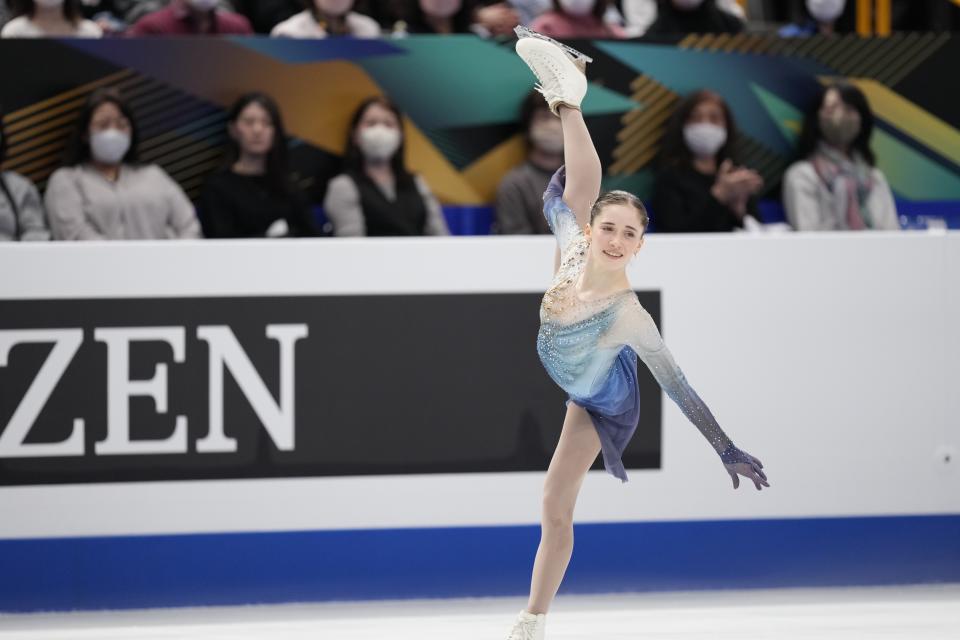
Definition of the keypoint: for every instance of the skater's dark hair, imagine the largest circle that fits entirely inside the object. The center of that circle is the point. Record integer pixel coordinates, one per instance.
(673, 149)
(811, 134)
(624, 198)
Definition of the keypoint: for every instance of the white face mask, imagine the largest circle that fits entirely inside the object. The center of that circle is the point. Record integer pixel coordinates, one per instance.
(687, 5)
(704, 139)
(547, 138)
(825, 10)
(577, 7)
(379, 142)
(203, 5)
(334, 7)
(109, 146)
(440, 8)
(49, 4)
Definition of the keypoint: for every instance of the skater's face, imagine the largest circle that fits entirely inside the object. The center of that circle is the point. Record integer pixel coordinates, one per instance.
(616, 235)
(253, 130)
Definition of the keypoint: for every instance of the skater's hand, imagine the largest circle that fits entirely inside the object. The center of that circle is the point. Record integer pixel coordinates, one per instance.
(740, 463)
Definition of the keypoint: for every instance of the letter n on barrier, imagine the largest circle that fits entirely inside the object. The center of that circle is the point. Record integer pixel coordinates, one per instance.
(226, 353)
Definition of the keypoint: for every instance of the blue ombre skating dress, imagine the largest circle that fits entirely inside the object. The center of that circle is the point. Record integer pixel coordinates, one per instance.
(590, 348)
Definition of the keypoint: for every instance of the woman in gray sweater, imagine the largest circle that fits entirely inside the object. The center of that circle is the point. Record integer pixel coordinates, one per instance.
(105, 193)
(21, 211)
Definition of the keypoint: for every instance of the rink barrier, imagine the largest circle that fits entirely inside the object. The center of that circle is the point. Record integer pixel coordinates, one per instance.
(252, 568)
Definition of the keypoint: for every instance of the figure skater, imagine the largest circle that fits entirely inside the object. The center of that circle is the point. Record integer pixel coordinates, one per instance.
(592, 329)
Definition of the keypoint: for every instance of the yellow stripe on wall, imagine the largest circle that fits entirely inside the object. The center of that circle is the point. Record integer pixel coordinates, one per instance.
(884, 18)
(865, 17)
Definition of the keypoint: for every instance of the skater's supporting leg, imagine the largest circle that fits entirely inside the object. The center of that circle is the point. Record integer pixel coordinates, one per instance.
(576, 451)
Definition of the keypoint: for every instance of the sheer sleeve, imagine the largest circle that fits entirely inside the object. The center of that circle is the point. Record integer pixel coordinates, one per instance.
(562, 220)
(636, 329)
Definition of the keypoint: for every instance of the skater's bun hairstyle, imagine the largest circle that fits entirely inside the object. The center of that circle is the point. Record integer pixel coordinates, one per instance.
(624, 198)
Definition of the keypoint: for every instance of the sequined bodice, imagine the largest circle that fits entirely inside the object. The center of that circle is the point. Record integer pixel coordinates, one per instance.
(574, 341)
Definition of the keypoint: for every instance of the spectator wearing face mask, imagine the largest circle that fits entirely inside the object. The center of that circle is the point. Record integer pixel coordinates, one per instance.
(21, 211)
(254, 195)
(191, 17)
(104, 193)
(322, 18)
(822, 18)
(835, 185)
(699, 188)
(49, 18)
(439, 17)
(520, 194)
(693, 16)
(639, 15)
(577, 19)
(376, 195)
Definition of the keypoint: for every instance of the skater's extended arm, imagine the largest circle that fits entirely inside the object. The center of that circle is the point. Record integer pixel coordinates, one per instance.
(641, 334)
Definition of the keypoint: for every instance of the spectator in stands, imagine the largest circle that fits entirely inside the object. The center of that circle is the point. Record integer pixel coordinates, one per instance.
(433, 16)
(699, 187)
(104, 193)
(639, 15)
(322, 18)
(577, 19)
(254, 195)
(49, 18)
(21, 211)
(191, 17)
(500, 18)
(693, 16)
(264, 15)
(821, 17)
(520, 194)
(376, 195)
(835, 185)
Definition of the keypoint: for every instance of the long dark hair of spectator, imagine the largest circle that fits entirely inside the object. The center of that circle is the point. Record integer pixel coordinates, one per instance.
(353, 157)
(528, 108)
(78, 149)
(3, 140)
(277, 165)
(71, 9)
(673, 148)
(599, 8)
(811, 135)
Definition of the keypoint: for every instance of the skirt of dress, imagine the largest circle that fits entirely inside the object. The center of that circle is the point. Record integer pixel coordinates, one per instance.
(615, 411)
